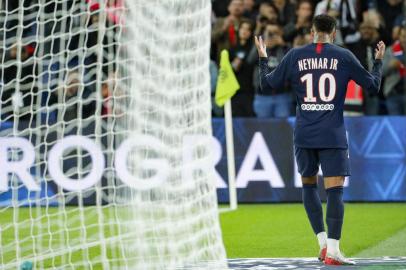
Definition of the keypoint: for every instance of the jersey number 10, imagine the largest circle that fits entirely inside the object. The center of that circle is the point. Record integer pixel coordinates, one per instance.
(308, 78)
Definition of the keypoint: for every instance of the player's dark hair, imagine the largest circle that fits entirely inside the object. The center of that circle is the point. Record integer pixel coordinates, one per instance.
(324, 23)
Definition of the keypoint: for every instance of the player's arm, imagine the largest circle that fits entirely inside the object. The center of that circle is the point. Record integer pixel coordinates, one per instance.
(274, 79)
(370, 81)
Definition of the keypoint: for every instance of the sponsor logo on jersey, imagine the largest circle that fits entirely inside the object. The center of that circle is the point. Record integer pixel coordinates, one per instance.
(317, 107)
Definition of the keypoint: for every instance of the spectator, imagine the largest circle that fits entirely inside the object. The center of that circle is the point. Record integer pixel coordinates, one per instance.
(273, 102)
(112, 96)
(399, 22)
(220, 7)
(372, 14)
(19, 89)
(302, 23)
(364, 50)
(249, 9)
(344, 12)
(268, 13)
(242, 101)
(107, 89)
(71, 93)
(394, 70)
(224, 33)
(114, 18)
(329, 7)
(10, 22)
(286, 11)
(213, 69)
(114, 9)
(390, 10)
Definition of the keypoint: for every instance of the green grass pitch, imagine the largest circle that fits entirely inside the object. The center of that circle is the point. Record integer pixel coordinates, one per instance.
(271, 231)
(282, 230)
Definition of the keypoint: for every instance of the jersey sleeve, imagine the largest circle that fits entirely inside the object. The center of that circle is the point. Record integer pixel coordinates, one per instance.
(275, 79)
(370, 81)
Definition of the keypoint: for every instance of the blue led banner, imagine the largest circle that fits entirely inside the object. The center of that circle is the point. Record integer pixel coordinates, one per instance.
(265, 164)
(266, 169)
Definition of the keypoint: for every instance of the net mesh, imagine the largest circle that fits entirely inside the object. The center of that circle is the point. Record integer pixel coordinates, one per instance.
(105, 113)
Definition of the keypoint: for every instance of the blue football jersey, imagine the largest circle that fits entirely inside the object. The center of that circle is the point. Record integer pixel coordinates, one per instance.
(318, 74)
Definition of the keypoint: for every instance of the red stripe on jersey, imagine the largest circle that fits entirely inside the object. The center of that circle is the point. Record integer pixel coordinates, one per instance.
(319, 47)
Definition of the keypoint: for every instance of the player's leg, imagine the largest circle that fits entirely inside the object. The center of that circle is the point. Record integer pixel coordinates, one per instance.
(335, 166)
(314, 211)
(308, 165)
(335, 211)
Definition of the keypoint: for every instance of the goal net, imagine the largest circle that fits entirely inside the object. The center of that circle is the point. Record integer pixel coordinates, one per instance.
(105, 136)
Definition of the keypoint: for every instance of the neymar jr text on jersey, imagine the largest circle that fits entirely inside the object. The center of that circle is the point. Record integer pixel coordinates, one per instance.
(317, 63)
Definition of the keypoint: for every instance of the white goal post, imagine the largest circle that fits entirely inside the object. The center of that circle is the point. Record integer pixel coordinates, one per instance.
(105, 136)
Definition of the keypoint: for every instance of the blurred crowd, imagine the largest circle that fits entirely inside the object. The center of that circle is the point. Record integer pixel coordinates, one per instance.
(52, 59)
(285, 24)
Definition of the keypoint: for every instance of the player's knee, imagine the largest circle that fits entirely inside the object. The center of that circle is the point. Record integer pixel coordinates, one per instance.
(334, 181)
(309, 180)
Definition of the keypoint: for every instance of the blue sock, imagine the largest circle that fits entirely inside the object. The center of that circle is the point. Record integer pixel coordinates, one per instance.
(312, 204)
(335, 212)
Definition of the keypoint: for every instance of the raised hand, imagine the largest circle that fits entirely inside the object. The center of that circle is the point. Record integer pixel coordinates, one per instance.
(261, 47)
(380, 50)
(229, 20)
